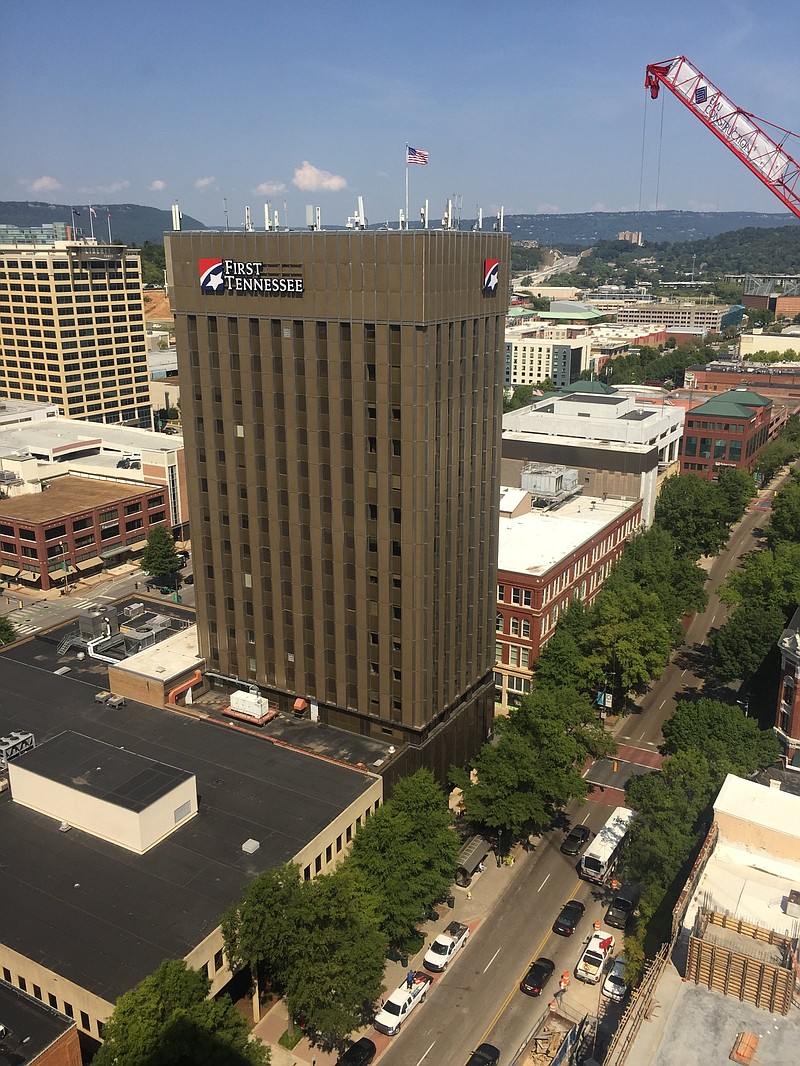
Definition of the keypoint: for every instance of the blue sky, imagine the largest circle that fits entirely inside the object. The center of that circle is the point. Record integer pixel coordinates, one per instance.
(535, 106)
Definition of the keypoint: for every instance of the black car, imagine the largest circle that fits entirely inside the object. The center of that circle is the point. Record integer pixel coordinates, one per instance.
(537, 977)
(484, 1055)
(578, 836)
(359, 1054)
(571, 914)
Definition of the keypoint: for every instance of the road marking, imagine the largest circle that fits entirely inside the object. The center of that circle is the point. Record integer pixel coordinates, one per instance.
(642, 736)
(541, 886)
(488, 964)
(426, 1053)
(662, 703)
(682, 672)
(584, 819)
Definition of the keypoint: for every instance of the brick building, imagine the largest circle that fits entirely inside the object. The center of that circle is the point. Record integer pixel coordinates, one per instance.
(546, 560)
(32, 1031)
(75, 525)
(787, 715)
(728, 431)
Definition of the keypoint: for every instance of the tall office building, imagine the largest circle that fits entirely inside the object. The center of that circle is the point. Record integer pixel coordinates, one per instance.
(341, 404)
(72, 328)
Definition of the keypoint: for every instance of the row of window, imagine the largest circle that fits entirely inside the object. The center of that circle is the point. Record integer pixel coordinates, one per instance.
(517, 627)
(521, 597)
(63, 1006)
(518, 655)
(341, 840)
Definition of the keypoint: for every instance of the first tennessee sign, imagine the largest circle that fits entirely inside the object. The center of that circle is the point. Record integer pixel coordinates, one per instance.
(222, 276)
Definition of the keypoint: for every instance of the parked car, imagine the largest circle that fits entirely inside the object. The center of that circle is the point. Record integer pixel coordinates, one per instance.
(623, 906)
(615, 987)
(576, 840)
(401, 1002)
(537, 977)
(361, 1053)
(484, 1055)
(571, 914)
(445, 946)
(596, 958)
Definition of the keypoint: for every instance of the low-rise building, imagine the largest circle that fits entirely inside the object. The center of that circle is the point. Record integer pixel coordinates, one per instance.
(547, 558)
(537, 351)
(32, 1032)
(707, 317)
(75, 525)
(759, 341)
(620, 444)
(728, 431)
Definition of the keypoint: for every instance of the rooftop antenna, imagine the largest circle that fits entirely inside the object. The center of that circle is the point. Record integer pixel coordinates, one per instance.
(267, 216)
(358, 220)
(402, 220)
(447, 221)
(479, 218)
(225, 209)
(176, 216)
(285, 216)
(313, 219)
(248, 224)
(423, 214)
(498, 225)
(459, 204)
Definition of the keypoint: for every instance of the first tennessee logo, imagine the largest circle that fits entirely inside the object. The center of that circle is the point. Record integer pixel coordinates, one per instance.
(211, 280)
(491, 276)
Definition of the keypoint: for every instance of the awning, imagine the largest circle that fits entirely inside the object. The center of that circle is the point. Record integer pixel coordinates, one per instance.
(137, 545)
(29, 575)
(9, 571)
(118, 549)
(300, 704)
(88, 564)
(58, 572)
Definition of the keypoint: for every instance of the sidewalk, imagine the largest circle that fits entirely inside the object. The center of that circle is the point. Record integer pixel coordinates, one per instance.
(471, 907)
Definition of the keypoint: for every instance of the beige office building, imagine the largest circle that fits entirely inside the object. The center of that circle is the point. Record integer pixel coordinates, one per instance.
(72, 328)
(341, 403)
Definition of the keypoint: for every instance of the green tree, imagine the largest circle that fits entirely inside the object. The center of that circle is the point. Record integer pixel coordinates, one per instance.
(561, 660)
(8, 633)
(337, 955)
(692, 510)
(651, 561)
(731, 742)
(738, 489)
(159, 559)
(772, 457)
(740, 645)
(784, 524)
(406, 853)
(259, 928)
(766, 579)
(167, 1020)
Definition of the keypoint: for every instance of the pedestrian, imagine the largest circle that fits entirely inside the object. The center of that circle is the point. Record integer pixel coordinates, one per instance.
(410, 980)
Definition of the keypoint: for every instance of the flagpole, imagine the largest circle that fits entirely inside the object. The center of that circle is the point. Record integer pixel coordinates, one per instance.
(406, 184)
(108, 216)
(91, 221)
(74, 231)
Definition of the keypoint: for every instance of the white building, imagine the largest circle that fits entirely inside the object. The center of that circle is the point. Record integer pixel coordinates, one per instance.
(542, 350)
(620, 444)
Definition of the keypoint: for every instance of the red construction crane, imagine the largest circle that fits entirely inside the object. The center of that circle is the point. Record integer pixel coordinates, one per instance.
(739, 130)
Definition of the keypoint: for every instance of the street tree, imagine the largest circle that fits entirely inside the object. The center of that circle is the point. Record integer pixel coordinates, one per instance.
(651, 561)
(784, 523)
(8, 633)
(159, 558)
(407, 853)
(732, 742)
(337, 955)
(693, 511)
(740, 645)
(560, 661)
(168, 1020)
(766, 579)
(738, 489)
(772, 457)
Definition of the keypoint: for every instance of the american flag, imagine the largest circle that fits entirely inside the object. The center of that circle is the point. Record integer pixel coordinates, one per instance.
(701, 94)
(416, 155)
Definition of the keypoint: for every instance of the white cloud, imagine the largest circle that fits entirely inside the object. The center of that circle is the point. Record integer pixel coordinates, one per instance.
(44, 184)
(311, 178)
(269, 188)
(205, 183)
(158, 185)
(548, 209)
(115, 186)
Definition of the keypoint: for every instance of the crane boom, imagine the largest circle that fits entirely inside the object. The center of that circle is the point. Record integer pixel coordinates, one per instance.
(737, 129)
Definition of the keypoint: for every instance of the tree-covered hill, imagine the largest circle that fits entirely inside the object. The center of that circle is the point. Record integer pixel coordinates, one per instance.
(130, 223)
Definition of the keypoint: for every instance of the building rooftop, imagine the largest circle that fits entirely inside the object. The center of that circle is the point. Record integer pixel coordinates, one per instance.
(167, 659)
(103, 917)
(534, 543)
(27, 1019)
(736, 403)
(13, 411)
(55, 438)
(65, 495)
(768, 807)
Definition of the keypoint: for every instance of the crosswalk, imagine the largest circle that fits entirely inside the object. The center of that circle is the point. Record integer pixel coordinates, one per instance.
(85, 604)
(24, 629)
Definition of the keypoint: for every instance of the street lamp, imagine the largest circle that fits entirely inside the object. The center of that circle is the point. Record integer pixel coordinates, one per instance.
(745, 705)
(62, 545)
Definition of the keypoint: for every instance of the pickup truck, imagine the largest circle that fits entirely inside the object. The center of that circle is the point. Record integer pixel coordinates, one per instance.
(596, 958)
(401, 1002)
(624, 904)
(445, 946)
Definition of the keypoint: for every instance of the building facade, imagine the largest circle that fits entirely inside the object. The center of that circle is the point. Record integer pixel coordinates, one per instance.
(547, 559)
(533, 353)
(728, 432)
(708, 317)
(49, 538)
(787, 716)
(72, 329)
(341, 399)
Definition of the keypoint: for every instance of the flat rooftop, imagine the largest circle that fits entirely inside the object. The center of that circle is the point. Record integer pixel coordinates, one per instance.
(67, 495)
(102, 770)
(53, 436)
(103, 917)
(25, 1017)
(534, 543)
(166, 659)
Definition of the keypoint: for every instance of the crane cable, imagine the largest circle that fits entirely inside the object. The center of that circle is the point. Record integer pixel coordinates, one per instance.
(660, 142)
(641, 163)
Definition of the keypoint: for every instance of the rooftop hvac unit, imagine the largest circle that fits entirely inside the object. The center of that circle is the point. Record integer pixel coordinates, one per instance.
(133, 610)
(14, 745)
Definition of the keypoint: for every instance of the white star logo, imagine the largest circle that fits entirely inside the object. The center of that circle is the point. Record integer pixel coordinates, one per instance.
(214, 281)
(492, 283)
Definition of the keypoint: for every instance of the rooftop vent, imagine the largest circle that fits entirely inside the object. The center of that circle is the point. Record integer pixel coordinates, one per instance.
(251, 846)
